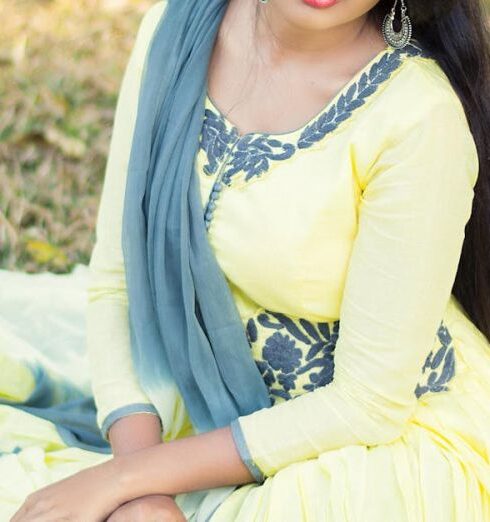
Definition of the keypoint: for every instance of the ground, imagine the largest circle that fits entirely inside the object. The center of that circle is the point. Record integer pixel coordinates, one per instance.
(61, 64)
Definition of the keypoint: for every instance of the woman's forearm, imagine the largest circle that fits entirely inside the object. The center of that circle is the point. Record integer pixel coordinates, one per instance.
(192, 463)
(134, 432)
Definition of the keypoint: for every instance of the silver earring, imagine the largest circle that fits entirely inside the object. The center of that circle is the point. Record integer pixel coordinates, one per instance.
(263, 1)
(394, 38)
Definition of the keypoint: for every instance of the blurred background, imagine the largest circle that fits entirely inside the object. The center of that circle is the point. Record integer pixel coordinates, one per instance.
(61, 64)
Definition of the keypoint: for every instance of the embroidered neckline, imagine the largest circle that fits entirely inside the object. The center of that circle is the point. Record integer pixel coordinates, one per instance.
(230, 153)
(346, 94)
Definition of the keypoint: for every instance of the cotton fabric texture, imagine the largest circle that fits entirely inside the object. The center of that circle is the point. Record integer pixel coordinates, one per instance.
(340, 242)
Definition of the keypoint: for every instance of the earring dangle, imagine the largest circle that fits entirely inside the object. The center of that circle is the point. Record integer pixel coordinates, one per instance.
(397, 39)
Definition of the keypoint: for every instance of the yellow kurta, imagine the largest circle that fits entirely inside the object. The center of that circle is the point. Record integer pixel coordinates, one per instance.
(340, 241)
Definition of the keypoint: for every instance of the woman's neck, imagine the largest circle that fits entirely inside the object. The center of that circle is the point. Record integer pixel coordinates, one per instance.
(280, 39)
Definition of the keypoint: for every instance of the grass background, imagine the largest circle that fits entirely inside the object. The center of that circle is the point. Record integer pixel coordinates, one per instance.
(61, 64)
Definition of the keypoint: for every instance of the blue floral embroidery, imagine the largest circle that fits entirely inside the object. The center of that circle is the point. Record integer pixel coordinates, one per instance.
(283, 364)
(281, 353)
(299, 355)
(253, 152)
(355, 96)
(216, 140)
(440, 363)
(266, 372)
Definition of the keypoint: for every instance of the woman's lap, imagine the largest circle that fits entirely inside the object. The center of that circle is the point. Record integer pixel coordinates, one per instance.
(409, 480)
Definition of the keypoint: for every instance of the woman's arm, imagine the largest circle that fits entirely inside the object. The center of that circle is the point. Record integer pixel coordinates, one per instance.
(115, 386)
(134, 432)
(185, 464)
(416, 201)
(124, 413)
(197, 462)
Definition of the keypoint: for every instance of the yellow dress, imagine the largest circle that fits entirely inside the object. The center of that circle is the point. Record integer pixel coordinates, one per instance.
(340, 241)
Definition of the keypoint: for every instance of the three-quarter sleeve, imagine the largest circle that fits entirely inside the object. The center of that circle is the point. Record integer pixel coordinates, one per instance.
(416, 199)
(115, 386)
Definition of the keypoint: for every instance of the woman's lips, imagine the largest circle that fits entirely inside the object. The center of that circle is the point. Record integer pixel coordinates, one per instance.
(320, 3)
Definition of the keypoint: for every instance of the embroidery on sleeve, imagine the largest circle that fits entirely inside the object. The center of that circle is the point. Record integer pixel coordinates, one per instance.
(439, 367)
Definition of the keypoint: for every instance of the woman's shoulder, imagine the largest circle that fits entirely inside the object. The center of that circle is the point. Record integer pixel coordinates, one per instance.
(434, 103)
(152, 16)
(155, 11)
(423, 86)
(418, 93)
(419, 108)
(146, 29)
(149, 23)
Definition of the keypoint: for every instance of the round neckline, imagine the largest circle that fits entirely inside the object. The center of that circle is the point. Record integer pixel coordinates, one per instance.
(353, 80)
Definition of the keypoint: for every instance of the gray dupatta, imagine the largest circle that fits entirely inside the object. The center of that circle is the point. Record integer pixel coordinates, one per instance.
(184, 324)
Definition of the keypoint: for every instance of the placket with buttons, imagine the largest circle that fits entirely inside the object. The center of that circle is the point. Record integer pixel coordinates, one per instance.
(218, 185)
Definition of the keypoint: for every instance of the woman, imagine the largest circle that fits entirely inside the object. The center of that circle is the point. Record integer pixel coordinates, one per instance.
(355, 248)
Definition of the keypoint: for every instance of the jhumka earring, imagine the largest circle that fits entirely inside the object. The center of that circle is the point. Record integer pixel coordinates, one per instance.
(394, 38)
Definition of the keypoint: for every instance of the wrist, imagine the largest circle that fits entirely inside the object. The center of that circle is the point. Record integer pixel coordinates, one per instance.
(109, 475)
(121, 478)
(134, 475)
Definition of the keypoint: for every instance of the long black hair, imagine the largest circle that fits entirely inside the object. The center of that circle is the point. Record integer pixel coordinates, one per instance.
(456, 33)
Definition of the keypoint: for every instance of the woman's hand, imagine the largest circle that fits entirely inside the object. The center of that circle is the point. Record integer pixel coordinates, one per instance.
(90, 495)
(161, 508)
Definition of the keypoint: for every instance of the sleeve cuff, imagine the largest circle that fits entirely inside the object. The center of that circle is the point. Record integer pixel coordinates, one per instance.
(241, 444)
(125, 411)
